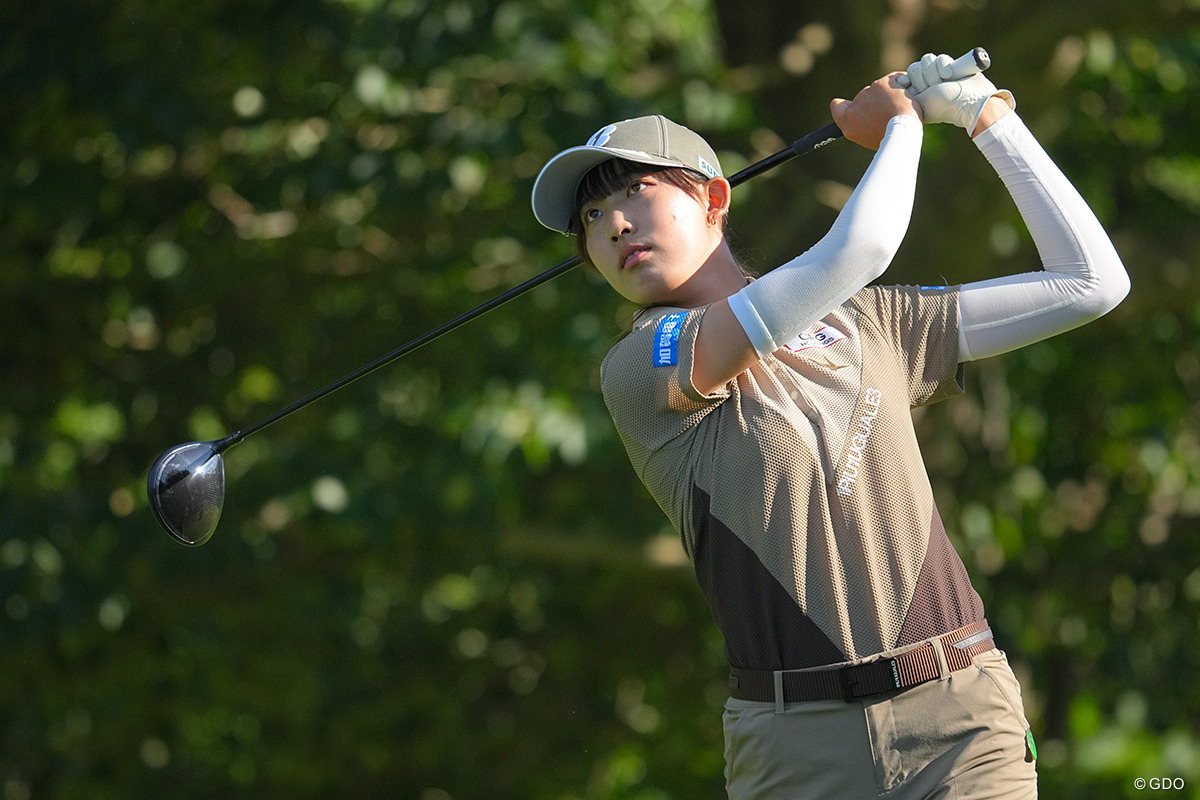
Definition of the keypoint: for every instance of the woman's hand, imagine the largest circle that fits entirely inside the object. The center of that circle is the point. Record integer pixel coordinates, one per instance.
(864, 119)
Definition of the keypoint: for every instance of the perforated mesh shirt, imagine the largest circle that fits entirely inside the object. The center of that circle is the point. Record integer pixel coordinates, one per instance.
(798, 488)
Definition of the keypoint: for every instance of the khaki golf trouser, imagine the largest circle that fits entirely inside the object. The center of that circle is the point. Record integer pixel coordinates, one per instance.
(958, 737)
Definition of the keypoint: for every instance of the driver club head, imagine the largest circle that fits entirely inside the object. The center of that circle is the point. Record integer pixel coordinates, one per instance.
(186, 487)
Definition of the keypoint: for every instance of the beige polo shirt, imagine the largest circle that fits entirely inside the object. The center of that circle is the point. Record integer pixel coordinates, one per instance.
(798, 488)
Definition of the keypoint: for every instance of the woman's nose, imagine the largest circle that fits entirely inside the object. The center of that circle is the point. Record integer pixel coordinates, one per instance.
(621, 225)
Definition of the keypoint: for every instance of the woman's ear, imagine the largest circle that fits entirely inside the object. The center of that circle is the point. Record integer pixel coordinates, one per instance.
(718, 193)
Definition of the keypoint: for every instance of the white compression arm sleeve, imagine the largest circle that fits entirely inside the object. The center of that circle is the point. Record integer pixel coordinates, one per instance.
(856, 251)
(1083, 277)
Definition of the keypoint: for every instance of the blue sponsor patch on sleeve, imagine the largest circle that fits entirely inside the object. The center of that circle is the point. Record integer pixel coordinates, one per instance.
(666, 340)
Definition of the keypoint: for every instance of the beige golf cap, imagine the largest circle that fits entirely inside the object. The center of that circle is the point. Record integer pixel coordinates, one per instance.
(653, 140)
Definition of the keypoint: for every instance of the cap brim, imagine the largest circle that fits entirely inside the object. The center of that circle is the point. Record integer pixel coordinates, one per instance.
(554, 189)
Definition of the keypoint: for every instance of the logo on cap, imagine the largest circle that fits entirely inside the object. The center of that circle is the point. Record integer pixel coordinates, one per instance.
(601, 137)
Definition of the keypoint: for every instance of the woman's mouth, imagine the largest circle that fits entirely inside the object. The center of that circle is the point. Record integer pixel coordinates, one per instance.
(636, 256)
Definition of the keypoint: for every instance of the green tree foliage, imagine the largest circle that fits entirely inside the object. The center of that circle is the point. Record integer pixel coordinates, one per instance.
(445, 581)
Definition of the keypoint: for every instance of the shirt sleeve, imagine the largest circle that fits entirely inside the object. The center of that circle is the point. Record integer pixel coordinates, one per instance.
(921, 325)
(646, 382)
(647, 386)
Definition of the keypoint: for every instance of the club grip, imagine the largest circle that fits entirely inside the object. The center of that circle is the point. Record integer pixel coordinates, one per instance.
(970, 63)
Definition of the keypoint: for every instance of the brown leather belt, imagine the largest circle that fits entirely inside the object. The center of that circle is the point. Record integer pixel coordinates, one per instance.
(857, 681)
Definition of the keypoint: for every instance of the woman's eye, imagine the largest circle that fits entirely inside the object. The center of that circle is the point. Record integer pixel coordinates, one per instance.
(636, 186)
(591, 214)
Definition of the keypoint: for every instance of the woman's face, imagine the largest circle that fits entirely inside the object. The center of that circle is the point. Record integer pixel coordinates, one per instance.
(649, 239)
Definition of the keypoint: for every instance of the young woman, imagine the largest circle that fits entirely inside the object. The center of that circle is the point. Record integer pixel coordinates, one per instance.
(771, 421)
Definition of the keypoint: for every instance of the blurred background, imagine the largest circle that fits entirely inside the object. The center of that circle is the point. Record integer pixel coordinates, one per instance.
(445, 582)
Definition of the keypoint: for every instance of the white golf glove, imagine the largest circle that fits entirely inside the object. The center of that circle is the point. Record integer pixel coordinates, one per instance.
(944, 99)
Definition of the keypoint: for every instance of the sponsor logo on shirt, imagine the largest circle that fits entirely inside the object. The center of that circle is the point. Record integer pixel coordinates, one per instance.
(822, 336)
(858, 441)
(666, 340)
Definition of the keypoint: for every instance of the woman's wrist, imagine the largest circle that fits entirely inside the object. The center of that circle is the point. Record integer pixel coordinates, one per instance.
(993, 110)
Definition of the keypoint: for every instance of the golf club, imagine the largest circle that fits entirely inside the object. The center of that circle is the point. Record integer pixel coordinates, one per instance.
(186, 484)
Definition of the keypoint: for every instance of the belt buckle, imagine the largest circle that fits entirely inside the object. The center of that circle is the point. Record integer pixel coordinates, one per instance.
(850, 681)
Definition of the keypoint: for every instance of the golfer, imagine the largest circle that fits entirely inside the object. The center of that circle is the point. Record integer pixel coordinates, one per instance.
(771, 420)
